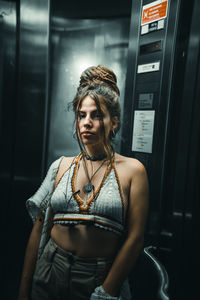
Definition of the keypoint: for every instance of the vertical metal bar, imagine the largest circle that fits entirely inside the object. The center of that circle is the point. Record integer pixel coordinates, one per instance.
(33, 86)
(46, 111)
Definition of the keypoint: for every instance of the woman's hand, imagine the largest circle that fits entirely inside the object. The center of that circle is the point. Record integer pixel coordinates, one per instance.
(100, 294)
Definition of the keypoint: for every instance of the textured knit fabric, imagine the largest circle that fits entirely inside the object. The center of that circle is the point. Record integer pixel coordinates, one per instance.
(105, 208)
(41, 200)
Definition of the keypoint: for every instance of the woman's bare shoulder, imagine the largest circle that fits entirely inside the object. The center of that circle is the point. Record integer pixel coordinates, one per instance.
(66, 162)
(132, 165)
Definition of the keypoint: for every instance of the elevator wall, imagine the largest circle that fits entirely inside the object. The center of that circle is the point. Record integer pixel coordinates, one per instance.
(24, 56)
(168, 89)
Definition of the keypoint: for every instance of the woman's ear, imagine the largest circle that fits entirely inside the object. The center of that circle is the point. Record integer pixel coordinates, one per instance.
(114, 121)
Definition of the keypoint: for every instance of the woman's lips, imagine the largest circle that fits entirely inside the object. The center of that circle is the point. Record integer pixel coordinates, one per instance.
(87, 133)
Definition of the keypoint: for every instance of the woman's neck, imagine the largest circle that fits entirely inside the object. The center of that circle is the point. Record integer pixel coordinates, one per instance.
(95, 152)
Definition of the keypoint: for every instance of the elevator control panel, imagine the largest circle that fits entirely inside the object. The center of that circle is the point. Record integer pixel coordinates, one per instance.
(153, 20)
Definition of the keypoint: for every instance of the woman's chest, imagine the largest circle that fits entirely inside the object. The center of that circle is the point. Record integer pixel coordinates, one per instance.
(105, 194)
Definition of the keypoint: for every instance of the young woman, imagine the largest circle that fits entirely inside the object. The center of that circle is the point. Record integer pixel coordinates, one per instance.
(89, 213)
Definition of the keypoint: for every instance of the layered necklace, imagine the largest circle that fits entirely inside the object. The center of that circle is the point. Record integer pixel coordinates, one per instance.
(89, 187)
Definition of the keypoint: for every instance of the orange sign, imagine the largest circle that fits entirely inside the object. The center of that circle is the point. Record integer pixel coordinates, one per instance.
(154, 11)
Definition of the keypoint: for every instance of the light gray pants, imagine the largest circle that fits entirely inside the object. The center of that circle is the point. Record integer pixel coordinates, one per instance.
(59, 275)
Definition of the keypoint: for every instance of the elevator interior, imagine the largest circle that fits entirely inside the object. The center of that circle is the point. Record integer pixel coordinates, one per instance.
(44, 46)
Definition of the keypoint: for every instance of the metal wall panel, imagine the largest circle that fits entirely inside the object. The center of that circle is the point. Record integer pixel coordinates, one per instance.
(24, 100)
(33, 85)
(173, 164)
(7, 126)
(183, 157)
(7, 84)
(159, 85)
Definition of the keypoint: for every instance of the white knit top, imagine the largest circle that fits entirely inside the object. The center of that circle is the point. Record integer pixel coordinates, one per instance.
(105, 209)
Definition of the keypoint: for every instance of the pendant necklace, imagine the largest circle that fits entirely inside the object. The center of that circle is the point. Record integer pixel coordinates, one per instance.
(88, 187)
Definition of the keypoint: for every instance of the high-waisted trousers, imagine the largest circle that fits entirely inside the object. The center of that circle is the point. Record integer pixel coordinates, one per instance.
(60, 275)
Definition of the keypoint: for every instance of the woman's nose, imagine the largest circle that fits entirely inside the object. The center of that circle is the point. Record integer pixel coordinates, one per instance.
(88, 121)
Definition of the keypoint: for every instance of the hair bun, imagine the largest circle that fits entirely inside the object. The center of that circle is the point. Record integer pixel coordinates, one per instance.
(99, 75)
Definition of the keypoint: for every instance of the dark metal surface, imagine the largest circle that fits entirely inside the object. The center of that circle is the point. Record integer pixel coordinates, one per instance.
(183, 172)
(160, 84)
(174, 162)
(23, 77)
(7, 84)
(33, 85)
(7, 127)
(91, 9)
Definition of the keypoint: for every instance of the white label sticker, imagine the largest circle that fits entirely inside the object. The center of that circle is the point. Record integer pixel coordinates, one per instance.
(161, 24)
(143, 131)
(145, 29)
(152, 67)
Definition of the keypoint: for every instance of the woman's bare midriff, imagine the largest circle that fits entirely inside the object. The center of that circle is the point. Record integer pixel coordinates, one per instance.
(86, 240)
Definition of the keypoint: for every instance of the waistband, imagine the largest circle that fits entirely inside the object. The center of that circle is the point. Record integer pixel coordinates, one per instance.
(73, 257)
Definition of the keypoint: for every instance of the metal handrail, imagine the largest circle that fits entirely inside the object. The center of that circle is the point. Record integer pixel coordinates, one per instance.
(163, 276)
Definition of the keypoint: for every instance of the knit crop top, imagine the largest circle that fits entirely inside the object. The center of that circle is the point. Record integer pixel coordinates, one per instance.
(105, 209)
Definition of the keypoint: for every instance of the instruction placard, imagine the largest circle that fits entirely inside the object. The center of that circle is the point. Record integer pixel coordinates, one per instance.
(143, 131)
(154, 11)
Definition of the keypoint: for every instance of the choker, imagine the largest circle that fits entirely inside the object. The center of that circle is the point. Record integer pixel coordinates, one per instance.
(95, 158)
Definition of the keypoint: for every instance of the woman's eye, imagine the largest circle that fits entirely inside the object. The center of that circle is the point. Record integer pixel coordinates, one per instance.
(98, 116)
(81, 115)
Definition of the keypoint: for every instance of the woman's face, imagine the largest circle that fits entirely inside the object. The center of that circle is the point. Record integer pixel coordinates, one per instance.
(89, 122)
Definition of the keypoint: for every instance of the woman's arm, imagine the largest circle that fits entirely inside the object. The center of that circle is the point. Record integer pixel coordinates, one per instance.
(30, 258)
(36, 205)
(136, 219)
